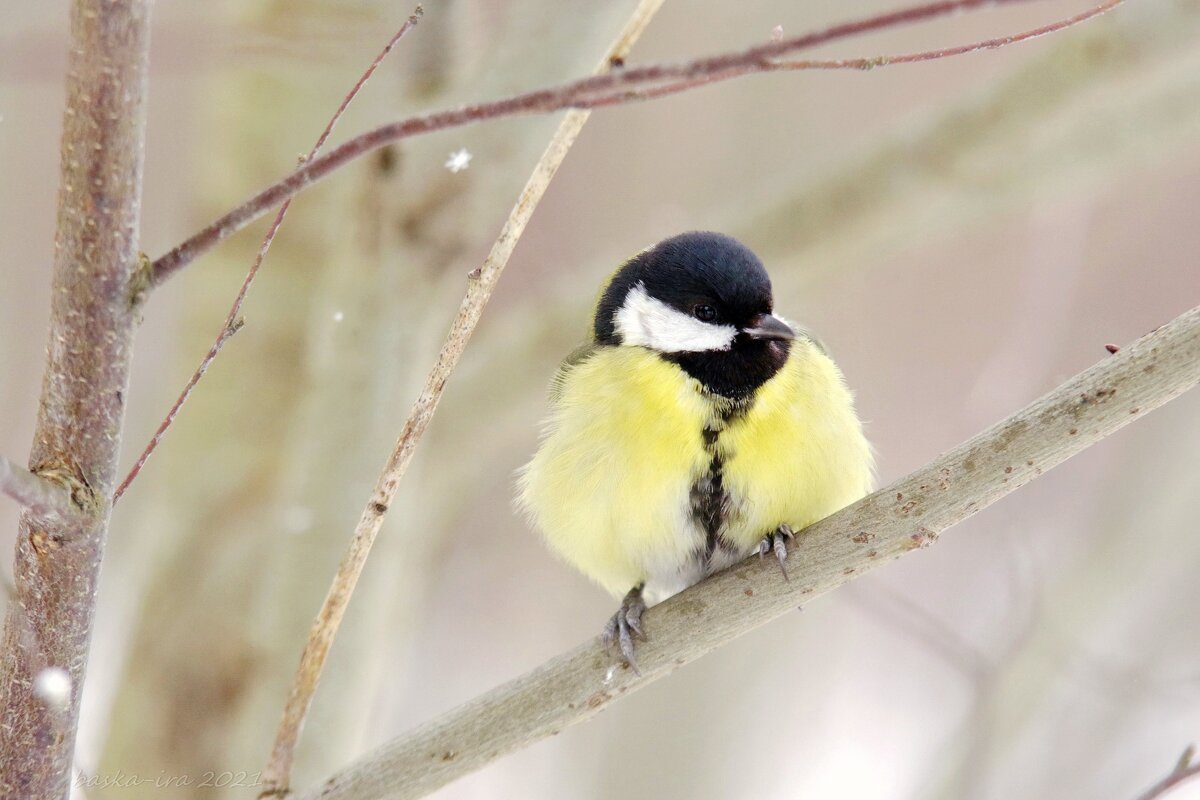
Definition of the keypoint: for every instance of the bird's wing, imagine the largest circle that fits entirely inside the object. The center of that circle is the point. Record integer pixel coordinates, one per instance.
(574, 359)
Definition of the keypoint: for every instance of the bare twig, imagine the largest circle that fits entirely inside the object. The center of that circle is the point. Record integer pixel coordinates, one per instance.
(277, 774)
(623, 86)
(875, 62)
(233, 320)
(227, 332)
(81, 408)
(1183, 771)
(907, 515)
(40, 495)
(948, 52)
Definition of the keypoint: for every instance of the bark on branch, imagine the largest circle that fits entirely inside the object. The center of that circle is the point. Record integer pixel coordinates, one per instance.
(77, 436)
(905, 516)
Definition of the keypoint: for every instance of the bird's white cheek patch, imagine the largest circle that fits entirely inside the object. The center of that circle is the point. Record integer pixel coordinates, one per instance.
(645, 321)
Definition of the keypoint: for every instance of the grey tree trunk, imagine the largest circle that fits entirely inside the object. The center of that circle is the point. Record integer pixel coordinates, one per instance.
(78, 435)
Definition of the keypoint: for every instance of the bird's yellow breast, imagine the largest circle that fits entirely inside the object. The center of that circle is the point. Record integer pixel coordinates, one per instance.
(612, 486)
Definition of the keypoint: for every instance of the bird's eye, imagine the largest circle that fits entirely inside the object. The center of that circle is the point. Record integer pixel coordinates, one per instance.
(704, 313)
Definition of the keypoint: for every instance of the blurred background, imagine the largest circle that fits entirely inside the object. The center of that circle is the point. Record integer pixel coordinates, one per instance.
(963, 234)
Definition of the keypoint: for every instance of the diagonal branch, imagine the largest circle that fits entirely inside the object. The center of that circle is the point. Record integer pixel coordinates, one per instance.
(907, 515)
(36, 493)
(276, 777)
(622, 86)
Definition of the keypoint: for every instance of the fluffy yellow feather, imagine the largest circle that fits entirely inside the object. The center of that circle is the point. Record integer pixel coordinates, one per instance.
(611, 491)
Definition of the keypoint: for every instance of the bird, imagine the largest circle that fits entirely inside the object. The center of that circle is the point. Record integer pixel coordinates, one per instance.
(693, 428)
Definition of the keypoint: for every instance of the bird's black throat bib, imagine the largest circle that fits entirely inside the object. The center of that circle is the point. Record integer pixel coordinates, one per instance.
(738, 372)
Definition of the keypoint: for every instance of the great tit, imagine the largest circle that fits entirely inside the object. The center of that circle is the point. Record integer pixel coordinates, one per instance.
(693, 429)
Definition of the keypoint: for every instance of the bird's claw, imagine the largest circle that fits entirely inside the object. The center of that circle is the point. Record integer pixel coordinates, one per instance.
(776, 542)
(626, 626)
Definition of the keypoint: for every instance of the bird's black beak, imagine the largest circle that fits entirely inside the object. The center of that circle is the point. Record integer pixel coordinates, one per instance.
(766, 326)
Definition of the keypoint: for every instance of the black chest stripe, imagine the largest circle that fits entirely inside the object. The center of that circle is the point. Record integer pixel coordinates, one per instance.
(710, 501)
(709, 504)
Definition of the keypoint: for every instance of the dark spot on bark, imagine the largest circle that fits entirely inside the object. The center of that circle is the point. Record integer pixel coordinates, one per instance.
(924, 537)
(598, 699)
(379, 508)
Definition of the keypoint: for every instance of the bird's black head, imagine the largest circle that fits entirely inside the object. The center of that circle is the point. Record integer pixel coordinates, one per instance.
(703, 301)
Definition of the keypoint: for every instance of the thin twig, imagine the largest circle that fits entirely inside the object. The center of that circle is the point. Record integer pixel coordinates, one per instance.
(866, 64)
(933, 55)
(905, 516)
(482, 281)
(38, 494)
(233, 320)
(227, 331)
(1183, 771)
(622, 86)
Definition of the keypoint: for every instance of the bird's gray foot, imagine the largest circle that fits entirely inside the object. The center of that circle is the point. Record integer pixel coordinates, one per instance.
(777, 542)
(625, 626)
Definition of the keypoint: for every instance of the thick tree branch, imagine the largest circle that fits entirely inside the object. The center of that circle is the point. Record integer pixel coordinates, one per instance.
(38, 494)
(78, 432)
(623, 86)
(907, 515)
(483, 280)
